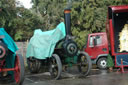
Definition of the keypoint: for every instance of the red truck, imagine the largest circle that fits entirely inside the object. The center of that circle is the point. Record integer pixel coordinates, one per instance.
(99, 45)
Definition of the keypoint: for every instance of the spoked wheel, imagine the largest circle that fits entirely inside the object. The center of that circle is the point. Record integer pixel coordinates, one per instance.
(19, 72)
(55, 67)
(84, 64)
(34, 65)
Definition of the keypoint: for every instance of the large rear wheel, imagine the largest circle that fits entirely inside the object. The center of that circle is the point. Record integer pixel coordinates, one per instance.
(55, 67)
(84, 63)
(19, 73)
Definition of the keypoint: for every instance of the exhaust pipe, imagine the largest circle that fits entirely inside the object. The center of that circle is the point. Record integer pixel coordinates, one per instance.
(70, 47)
(67, 17)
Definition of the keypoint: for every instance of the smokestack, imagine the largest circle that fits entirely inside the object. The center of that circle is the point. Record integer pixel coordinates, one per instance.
(67, 21)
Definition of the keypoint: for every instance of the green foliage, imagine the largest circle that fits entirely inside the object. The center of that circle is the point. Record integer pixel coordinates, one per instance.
(87, 16)
(26, 23)
(51, 12)
(18, 21)
(7, 14)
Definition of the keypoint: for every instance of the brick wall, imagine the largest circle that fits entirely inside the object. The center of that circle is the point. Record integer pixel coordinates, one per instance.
(22, 49)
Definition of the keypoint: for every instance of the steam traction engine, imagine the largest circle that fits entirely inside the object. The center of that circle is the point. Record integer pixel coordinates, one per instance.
(68, 51)
(11, 64)
(65, 55)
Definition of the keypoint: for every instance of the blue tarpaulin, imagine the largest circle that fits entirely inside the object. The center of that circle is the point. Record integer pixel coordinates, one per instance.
(10, 58)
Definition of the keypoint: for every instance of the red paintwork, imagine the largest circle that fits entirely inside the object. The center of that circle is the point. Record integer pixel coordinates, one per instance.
(7, 69)
(118, 9)
(111, 37)
(16, 69)
(95, 51)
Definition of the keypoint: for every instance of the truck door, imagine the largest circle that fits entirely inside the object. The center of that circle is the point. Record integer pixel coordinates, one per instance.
(97, 45)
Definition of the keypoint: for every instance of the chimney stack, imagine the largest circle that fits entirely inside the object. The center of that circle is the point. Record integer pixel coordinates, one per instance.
(67, 17)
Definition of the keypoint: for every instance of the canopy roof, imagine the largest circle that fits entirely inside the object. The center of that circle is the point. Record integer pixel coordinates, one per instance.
(118, 9)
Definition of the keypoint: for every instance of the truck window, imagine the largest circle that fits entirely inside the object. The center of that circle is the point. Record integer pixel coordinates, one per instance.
(91, 41)
(99, 40)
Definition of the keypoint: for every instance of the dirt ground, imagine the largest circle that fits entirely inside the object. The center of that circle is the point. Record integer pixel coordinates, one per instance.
(71, 77)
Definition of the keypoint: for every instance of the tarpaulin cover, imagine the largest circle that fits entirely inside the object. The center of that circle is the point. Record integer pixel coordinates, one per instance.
(10, 58)
(42, 44)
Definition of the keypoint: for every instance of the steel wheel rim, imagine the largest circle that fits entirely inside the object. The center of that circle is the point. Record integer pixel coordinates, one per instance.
(83, 64)
(103, 63)
(32, 64)
(54, 67)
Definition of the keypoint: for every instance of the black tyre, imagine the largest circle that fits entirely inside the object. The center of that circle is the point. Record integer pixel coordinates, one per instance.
(102, 63)
(55, 67)
(19, 73)
(84, 64)
(34, 65)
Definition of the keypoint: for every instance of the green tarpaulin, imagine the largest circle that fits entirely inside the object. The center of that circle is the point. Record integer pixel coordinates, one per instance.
(42, 44)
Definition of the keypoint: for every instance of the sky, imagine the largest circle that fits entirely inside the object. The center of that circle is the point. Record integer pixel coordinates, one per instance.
(26, 3)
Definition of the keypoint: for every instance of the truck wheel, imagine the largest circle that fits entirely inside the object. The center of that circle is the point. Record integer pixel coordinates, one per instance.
(84, 63)
(19, 73)
(102, 63)
(55, 67)
(34, 65)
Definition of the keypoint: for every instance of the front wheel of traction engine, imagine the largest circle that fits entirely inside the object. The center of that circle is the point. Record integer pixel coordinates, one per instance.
(84, 64)
(19, 73)
(55, 67)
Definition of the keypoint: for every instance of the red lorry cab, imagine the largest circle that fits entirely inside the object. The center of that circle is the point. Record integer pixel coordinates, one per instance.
(97, 45)
(97, 48)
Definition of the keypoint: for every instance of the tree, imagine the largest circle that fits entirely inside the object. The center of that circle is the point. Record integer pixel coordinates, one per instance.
(25, 24)
(51, 12)
(8, 12)
(89, 16)
(18, 21)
